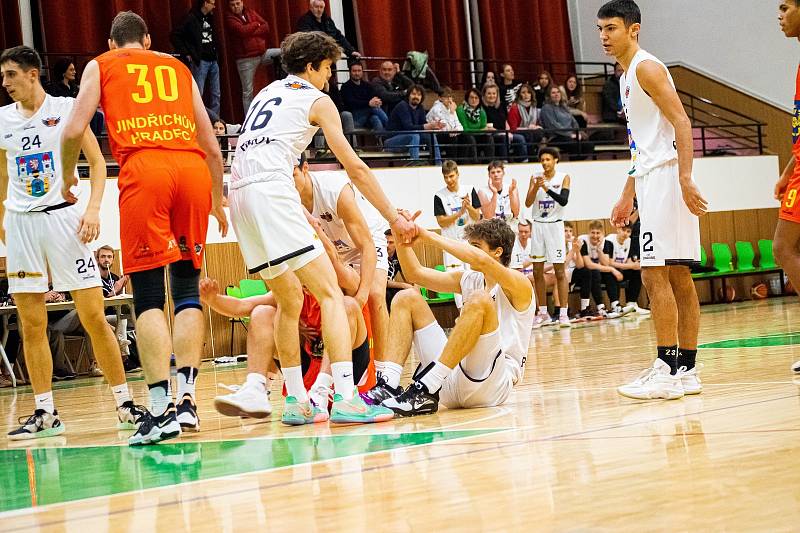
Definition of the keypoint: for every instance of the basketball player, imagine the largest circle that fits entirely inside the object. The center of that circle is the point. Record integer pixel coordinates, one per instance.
(170, 180)
(669, 203)
(629, 266)
(484, 357)
(500, 199)
(548, 194)
(276, 240)
(45, 232)
(786, 244)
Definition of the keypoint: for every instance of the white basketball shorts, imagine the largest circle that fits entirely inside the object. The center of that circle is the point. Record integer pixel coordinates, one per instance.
(670, 233)
(547, 242)
(43, 242)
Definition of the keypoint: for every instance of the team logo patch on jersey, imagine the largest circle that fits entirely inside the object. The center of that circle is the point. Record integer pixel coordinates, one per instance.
(51, 122)
(296, 85)
(796, 122)
(36, 172)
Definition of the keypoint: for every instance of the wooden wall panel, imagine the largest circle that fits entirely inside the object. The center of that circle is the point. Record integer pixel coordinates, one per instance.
(224, 263)
(778, 121)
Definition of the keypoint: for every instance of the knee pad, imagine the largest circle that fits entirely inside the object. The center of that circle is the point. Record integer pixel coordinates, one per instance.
(149, 291)
(184, 283)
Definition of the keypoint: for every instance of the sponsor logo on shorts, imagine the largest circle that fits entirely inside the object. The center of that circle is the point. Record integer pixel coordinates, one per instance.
(145, 251)
(184, 248)
(171, 244)
(198, 248)
(649, 257)
(8, 135)
(21, 274)
(51, 122)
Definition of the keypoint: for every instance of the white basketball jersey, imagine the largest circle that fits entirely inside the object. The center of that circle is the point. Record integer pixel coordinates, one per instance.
(520, 254)
(594, 250)
(328, 186)
(503, 208)
(33, 154)
(651, 135)
(545, 209)
(515, 326)
(621, 251)
(451, 201)
(275, 132)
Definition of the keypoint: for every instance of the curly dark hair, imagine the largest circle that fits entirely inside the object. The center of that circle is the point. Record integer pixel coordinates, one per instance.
(496, 233)
(301, 48)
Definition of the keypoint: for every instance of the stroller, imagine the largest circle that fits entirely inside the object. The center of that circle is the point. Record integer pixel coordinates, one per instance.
(416, 68)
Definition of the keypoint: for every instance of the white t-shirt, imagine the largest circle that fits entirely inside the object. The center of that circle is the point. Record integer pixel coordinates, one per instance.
(275, 132)
(503, 208)
(328, 186)
(621, 251)
(33, 154)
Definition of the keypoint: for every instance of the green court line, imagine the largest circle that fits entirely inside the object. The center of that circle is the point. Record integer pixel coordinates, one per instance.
(764, 341)
(41, 476)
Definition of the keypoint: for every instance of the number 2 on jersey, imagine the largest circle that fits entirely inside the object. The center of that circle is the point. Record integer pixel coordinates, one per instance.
(166, 83)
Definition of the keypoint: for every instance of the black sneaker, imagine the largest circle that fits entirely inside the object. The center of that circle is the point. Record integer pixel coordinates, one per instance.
(154, 429)
(586, 313)
(415, 400)
(130, 415)
(380, 392)
(63, 375)
(39, 425)
(187, 414)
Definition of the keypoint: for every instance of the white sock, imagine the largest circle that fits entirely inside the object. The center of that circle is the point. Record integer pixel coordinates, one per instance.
(343, 382)
(601, 306)
(121, 394)
(564, 312)
(159, 399)
(293, 378)
(186, 376)
(257, 381)
(323, 380)
(45, 401)
(391, 373)
(542, 309)
(434, 378)
(584, 303)
(380, 366)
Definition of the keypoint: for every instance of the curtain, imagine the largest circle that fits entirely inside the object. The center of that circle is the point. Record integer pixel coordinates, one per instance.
(532, 35)
(90, 39)
(10, 29)
(390, 28)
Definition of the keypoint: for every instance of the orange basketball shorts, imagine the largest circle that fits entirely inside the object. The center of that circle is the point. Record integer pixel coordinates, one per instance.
(164, 204)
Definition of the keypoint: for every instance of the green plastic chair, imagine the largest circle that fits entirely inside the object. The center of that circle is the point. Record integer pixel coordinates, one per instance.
(233, 292)
(252, 287)
(723, 259)
(442, 296)
(745, 256)
(767, 258)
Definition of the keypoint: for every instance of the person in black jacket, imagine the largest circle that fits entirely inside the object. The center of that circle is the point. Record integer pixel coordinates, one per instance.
(196, 42)
(63, 79)
(316, 20)
(362, 101)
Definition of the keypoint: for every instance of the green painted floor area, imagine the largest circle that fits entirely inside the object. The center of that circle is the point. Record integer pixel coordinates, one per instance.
(778, 339)
(40, 476)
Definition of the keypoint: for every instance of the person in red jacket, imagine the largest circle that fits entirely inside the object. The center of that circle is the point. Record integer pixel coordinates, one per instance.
(249, 33)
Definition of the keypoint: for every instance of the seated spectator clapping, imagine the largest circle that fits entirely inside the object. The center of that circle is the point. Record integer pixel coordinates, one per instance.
(454, 146)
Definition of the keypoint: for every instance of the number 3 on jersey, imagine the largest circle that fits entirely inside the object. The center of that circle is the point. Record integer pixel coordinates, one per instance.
(166, 80)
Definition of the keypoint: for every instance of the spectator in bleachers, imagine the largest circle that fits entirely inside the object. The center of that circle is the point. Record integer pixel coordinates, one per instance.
(488, 78)
(509, 87)
(317, 20)
(542, 88)
(63, 79)
(221, 130)
(523, 117)
(496, 118)
(575, 101)
(472, 117)
(391, 85)
(248, 40)
(453, 144)
(409, 115)
(561, 127)
(196, 42)
(500, 199)
(361, 100)
(612, 100)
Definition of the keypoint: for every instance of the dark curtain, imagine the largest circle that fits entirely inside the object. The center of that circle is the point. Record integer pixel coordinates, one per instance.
(532, 35)
(390, 28)
(91, 36)
(10, 34)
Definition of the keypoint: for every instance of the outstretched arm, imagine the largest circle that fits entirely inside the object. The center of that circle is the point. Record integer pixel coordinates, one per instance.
(429, 278)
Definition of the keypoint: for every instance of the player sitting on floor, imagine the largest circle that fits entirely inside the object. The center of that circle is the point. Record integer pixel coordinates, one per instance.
(484, 357)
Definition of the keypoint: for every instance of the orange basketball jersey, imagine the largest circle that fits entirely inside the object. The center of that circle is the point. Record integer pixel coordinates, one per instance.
(147, 101)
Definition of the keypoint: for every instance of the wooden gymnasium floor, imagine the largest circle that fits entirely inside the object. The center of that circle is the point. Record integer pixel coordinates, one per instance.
(566, 453)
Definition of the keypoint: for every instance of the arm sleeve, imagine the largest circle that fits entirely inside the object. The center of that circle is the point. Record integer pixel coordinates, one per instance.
(476, 201)
(561, 197)
(438, 207)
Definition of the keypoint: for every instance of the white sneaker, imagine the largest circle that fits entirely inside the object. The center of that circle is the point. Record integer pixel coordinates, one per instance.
(321, 396)
(690, 379)
(542, 319)
(654, 383)
(247, 402)
(796, 367)
(564, 322)
(614, 312)
(640, 310)
(629, 308)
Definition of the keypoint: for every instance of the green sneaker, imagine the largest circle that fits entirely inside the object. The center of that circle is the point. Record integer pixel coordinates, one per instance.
(298, 414)
(356, 411)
